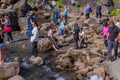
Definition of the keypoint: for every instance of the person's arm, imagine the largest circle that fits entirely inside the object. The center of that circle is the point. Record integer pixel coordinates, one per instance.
(118, 37)
(108, 35)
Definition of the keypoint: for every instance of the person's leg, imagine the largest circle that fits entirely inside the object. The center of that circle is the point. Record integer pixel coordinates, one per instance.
(115, 45)
(55, 47)
(110, 49)
(97, 15)
(87, 15)
(10, 35)
(100, 14)
(75, 41)
(65, 16)
(7, 35)
(105, 41)
(35, 48)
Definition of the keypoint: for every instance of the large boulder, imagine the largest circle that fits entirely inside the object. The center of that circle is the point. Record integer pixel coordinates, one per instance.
(22, 8)
(22, 21)
(44, 44)
(9, 69)
(17, 77)
(113, 70)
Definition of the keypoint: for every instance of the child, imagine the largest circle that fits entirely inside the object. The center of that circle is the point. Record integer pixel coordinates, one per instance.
(61, 22)
(34, 40)
(81, 36)
(1, 45)
(105, 33)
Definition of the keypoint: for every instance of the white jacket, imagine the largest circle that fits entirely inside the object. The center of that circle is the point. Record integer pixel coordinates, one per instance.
(35, 35)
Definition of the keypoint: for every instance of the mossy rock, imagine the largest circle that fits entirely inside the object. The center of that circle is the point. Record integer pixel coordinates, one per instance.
(115, 12)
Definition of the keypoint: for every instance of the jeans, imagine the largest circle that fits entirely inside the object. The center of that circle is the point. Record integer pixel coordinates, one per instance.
(87, 15)
(29, 32)
(61, 31)
(34, 49)
(76, 38)
(98, 14)
(9, 36)
(112, 44)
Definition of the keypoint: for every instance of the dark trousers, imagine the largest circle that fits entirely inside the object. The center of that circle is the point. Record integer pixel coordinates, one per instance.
(9, 36)
(76, 38)
(65, 16)
(98, 14)
(87, 15)
(105, 41)
(34, 49)
(112, 44)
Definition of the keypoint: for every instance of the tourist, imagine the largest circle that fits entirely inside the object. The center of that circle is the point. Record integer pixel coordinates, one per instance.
(98, 11)
(53, 4)
(58, 13)
(105, 20)
(65, 14)
(76, 31)
(7, 28)
(54, 19)
(105, 33)
(73, 2)
(88, 11)
(1, 45)
(117, 22)
(113, 37)
(51, 37)
(31, 18)
(34, 39)
(81, 37)
(61, 23)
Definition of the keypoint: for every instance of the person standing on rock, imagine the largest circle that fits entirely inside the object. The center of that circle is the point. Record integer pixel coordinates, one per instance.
(105, 33)
(31, 18)
(7, 28)
(51, 37)
(98, 11)
(61, 23)
(1, 45)
(88, 11)
(34, 39)
(113, 37)
(76, 31)
(65, 14)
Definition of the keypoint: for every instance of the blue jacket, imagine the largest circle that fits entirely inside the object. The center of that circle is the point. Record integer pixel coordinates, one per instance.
(88, 10)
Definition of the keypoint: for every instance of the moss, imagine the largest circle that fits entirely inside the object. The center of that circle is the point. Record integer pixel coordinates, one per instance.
(59, 3)
(98, 0)
(115, 12)
(79, 5)
(28, 1)
(116, 0)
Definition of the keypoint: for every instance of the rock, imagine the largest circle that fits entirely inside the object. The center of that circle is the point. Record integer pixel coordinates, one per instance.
(94, 60)
(6, 1)
(105, 2)
(113, 70)
(9, 69)
(17, 77)
(44, 44)
(91, 21)
(36, 60)
(22, 8)
(69, 39)
(22, 21)
(43, 29)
